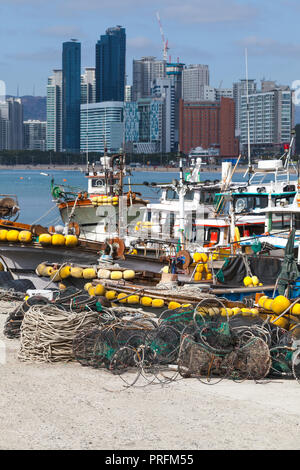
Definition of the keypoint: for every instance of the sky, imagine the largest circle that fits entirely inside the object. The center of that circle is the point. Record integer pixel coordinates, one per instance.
(213, 32)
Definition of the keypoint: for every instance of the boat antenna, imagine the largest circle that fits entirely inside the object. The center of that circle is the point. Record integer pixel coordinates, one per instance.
(248, 113)
(87, 125)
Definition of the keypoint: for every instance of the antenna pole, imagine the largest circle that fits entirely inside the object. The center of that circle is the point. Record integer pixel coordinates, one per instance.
(248, 111)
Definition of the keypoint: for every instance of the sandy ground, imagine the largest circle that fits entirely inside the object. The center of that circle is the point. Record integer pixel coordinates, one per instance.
(67, 406)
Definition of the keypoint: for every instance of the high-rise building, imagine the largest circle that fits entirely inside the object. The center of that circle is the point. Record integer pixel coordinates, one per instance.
(4, 125)
(240, 89)
(111, 65)
(128, 93)
(194, 78)
(208, 124)
(174, 72)
(102, 127)
(144, 71)
(11, 124)
(54, 112)
(271, 116)
(88, 86)
(35, 135)
(143, 125)
(164, 88)
(71, 92)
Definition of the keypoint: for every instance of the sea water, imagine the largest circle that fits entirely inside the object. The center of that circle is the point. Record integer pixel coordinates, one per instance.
(33, 189)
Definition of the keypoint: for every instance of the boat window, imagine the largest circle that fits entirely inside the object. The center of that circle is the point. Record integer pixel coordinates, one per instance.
(172, 195)
(296, 221)
(98, 183)
(212, 235)
(281, 221)
(189, 196)
(207, 197)
(249, 203)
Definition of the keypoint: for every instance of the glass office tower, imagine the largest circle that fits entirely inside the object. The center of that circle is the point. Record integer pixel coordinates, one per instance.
(110, 65)
(71, 68)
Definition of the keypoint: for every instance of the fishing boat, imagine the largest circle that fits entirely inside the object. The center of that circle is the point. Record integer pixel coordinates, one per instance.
(96, 213)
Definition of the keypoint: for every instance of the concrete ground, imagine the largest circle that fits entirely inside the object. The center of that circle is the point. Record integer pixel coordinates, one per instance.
(68, 406)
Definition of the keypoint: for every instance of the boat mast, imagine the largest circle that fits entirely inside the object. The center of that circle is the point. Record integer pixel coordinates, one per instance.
(87, 126)
(248, 113)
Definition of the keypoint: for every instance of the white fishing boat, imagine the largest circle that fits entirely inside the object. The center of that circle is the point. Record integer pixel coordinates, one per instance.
(96, 213)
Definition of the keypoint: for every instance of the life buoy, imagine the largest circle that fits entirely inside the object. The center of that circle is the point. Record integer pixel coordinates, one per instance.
(74, 228)
(118, 246)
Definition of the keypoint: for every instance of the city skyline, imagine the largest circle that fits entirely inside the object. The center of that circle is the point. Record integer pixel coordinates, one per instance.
(214, 33)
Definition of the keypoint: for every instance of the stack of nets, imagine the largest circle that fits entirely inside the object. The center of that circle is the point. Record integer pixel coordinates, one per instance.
(202, 346)
(70, 299)
(47, 333)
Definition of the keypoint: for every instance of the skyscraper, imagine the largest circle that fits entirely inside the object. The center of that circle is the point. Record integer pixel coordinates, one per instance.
(71, 88)
(194, 78)
(88, 86)
(110, 65)
(144, 71)
(11, 124)
(54, 112)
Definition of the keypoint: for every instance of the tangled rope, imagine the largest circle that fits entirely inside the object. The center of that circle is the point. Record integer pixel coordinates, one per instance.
(47, 333)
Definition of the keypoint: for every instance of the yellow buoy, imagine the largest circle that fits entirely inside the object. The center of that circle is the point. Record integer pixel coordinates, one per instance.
(62, 286)
(89, 273)
(55, 275)
(255, 281)
(261, 300)
(146, 301)
(128, 274)
(267, 304)
(25, 236)
(199, 268)
(110, 294)
(3, 235)
(87, 286)
(173, 305)
(133, 299)
(197, 257)
(12, 236)
(100, 290)
(280, 304)
(296, 309)
(58, 239)
(71, 240)
(281, 322)
(122, 297)
(236, 311)
(65, 272)
(158, 303)
(92, 292)
(48, 271)
(116, 275)
(248, 281)
(208, 276)
(204, 257)
(76, 272)
(198, 276)
(45, 239)
(40, 269)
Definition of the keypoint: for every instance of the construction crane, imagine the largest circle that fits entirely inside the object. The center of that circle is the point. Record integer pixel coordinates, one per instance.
(165, 42)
